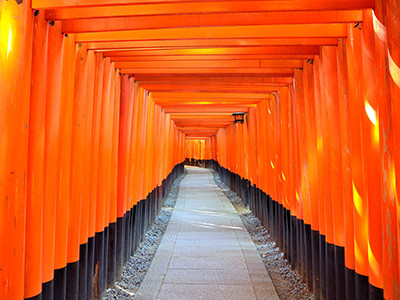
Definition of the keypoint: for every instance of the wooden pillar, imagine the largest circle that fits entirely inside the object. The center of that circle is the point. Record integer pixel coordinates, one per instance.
(35, 184)
(16, 26)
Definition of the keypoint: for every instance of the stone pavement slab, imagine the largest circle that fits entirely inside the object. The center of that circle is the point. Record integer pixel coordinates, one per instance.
(206, 252)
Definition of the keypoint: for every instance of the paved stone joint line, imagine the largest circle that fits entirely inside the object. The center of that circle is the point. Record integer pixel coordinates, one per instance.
(206, 252)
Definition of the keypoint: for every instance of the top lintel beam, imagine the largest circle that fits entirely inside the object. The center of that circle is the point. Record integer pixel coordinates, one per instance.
(76, 9)
(203, 20)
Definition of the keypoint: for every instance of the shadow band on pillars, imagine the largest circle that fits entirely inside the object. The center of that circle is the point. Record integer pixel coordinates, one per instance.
(320, 264)
(102, 258)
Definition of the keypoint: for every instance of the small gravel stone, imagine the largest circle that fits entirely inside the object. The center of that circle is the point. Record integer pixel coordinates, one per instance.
(287, 281)
(137, 266)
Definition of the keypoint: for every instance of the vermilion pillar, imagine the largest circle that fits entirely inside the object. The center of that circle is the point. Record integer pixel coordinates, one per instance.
(360, 196)
(77, 170)
(35, 185)
(64, 167)
(16, 25)
(52, 143)
(392, 228)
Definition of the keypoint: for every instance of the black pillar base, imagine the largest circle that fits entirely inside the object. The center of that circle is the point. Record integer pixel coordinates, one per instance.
(90, 267)
(98, 279)
(83, 272)
(120, 247)
(73, 281)
(112, 255)
(60, 284)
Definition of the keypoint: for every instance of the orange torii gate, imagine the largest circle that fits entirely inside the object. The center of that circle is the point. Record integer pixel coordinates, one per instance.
(102, 101)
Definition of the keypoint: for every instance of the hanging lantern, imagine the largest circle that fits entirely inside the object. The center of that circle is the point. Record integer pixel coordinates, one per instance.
(239, 117)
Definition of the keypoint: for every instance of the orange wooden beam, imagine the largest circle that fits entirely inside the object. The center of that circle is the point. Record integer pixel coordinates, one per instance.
(210, 43)
(192, 129)
(197, 122)
(206, 119)
(203, 108)
(133, 56)
(200, 135)
(296, 52)
(206, 108)
(204, 124)
(197, 115)
(224, 90)
(210, 86)
(201, 129)
(256, 80)
(174, 99)
(206, 102)
(204, 87)
(253, 31)
(75, 9)
(214, 19)
(211, 64)
(220, 119)
(185, 95)
(194, 71)
(88, 3)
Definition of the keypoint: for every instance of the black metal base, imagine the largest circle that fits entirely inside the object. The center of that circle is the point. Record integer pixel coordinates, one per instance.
(60, 284)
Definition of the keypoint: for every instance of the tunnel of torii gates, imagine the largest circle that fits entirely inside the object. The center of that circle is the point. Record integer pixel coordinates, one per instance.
(100, 98)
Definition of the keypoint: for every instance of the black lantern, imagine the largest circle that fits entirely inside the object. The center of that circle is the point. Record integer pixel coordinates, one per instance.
(239, 117)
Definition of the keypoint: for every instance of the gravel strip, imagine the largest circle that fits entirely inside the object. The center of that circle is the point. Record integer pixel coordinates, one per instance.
(138, 264)
(287, 281)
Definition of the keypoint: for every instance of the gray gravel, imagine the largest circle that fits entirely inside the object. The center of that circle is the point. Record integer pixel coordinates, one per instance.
(138, 264)
(287, 281)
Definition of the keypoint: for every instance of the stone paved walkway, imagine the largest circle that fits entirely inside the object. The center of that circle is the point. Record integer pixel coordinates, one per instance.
(206, 253)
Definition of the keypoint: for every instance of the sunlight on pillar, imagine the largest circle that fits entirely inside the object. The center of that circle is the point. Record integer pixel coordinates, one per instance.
(374, 264)
(394, 190)
(371, 113)
(394, 70)
(379, 28)
(358, 254)
(357, 201)
(393, 181)
(6, 32)
(376, 133)
(320, 144)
